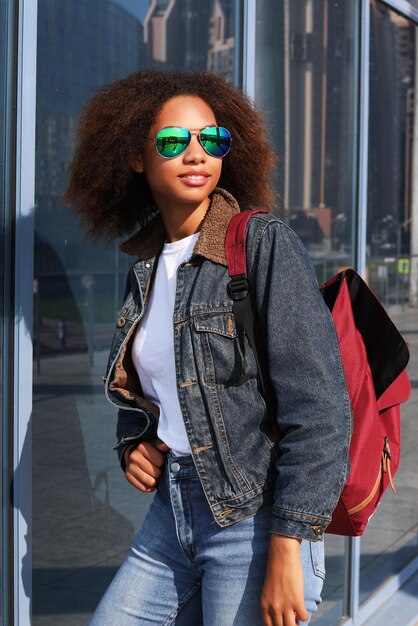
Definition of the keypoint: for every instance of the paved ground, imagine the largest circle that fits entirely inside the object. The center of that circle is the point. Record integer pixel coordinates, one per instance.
(85, 513)
(401, 609)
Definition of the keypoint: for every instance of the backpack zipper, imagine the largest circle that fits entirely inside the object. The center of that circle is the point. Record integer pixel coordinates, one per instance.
(385, 467)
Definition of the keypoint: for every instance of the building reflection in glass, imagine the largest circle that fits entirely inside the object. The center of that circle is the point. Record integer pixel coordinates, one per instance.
(84, 512)
(306, 83)
(392, 266)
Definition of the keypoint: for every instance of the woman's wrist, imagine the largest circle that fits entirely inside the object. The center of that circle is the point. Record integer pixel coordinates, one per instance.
(283, 544)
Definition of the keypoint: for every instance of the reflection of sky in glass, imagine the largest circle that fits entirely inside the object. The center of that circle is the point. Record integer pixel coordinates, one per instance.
(138, 8)
(162, 5)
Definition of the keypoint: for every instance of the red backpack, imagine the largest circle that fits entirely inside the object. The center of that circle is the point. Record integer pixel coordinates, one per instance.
(374, 357)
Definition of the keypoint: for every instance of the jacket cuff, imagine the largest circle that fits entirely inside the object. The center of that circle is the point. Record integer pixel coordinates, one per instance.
(123, 445)
(299, 525)
(132, 428)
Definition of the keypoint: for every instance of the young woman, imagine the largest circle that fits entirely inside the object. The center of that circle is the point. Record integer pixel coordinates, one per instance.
(233, 535)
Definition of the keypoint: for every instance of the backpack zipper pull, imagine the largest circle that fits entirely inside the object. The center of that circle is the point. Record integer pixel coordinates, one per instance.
(386, 459)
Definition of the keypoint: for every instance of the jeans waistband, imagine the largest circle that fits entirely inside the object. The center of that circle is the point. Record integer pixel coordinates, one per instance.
(180, 466)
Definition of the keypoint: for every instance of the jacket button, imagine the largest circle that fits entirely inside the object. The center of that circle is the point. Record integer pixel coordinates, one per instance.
(121, 322)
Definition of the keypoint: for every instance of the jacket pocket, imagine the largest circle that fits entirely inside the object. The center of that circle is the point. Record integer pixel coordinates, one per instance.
(318, 558)
(224, 363)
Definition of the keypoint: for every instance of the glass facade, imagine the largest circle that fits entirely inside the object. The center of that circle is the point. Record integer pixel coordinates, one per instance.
(392, 267)
(310, 50)
(84, 511)
(307, 77)
(310, 106)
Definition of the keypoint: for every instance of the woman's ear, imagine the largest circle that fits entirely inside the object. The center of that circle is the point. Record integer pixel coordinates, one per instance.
(137, 165)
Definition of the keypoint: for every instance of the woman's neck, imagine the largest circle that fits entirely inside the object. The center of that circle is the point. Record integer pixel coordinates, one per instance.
(183, 221)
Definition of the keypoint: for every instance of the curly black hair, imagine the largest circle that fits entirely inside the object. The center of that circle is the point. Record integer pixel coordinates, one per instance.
(111, 198)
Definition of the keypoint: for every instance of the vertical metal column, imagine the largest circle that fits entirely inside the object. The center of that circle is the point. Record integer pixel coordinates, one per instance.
(353, 544)
(413, 283)
(308, 87)
(248, 74)
(363, 154)
(7, 136)
(286, 61)
(351, 578)
(25, 201)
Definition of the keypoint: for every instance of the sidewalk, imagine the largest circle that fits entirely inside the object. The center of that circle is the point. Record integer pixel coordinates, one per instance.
(401, 609)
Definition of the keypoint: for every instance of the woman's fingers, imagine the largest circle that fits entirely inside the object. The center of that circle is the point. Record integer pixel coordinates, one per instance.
(267, 619)
(160, 445)
(144, 465)
(290, 619)
(152, 454)
(138, 459)
(148, 477)
(274, 617)
(301, 613)
(279, 618)
(137, 483)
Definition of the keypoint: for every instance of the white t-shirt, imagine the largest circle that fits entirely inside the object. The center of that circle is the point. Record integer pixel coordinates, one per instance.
(153, 346)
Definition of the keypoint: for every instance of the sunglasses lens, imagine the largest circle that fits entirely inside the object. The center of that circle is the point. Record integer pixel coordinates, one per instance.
(172, 141)
(216, 140)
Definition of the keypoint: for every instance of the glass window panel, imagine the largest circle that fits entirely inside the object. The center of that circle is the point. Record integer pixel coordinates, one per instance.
(306, 83)
(413, 3)
(7, 24)
(84, 511)
(392, 267)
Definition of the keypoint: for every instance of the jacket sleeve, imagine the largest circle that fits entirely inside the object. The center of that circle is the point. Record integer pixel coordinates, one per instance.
(309, 395)
(133, 425)
(132, 428)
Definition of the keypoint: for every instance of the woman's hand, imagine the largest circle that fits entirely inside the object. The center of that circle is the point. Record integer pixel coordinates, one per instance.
(144, 464)
(282, 601)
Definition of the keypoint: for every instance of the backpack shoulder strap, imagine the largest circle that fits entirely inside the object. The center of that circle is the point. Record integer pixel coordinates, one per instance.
(239, 287)
(236, 242)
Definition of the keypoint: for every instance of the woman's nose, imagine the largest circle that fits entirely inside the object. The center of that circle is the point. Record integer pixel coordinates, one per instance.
(194, 152)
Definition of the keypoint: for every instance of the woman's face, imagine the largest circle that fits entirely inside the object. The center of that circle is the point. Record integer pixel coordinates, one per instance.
(188, 179)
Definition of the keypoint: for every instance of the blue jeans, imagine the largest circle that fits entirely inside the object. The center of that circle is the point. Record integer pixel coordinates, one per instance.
(184, 569)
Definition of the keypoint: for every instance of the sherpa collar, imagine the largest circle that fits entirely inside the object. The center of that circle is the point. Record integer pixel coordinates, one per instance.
(149, 241)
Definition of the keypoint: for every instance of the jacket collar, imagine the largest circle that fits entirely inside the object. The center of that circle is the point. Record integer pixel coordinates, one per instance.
(148, 242)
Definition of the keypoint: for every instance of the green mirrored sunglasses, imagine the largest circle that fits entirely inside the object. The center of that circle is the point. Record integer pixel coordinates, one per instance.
(171, 141)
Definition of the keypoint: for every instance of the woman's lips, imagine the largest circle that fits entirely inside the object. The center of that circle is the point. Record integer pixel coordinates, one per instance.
(194, 179)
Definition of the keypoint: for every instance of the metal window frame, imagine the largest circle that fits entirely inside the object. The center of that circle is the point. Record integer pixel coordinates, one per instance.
(8, 147)
(23, 284)
(363, 138)
(403, 8)
(248, 47)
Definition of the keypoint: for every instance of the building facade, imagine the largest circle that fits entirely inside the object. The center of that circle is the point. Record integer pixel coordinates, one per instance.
(336, 82)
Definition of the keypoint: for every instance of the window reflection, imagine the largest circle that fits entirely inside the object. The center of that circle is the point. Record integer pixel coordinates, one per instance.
(306, 82)
(190, 34)
(392, 267)
(84, 512)
(413, 3)
(310, 99)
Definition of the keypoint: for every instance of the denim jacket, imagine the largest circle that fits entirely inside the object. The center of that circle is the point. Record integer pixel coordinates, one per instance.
(241, 466)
